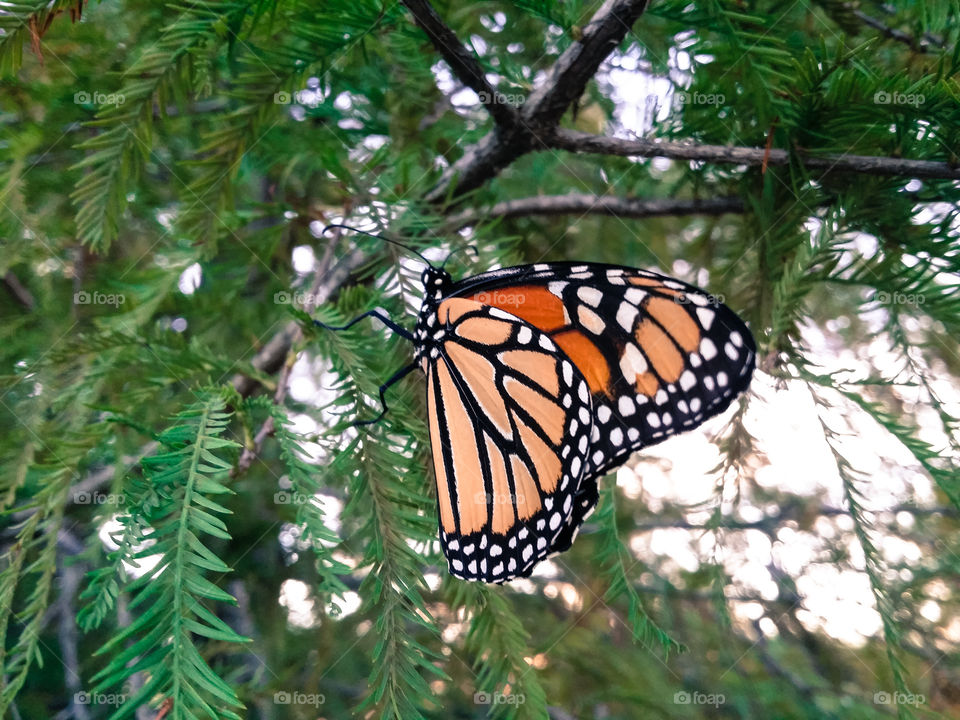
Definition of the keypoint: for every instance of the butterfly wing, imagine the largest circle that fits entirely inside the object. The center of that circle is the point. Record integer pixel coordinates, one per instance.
(510, 419)
(660, 356)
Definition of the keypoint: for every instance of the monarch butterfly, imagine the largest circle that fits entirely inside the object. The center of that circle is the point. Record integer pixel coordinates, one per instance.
(541, 378)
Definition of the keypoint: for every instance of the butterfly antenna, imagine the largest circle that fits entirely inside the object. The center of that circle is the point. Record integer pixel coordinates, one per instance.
(378, 237)
(463, 248)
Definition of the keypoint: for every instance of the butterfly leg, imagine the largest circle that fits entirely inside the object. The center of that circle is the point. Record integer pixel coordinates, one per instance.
(379, 314)
(397, 377)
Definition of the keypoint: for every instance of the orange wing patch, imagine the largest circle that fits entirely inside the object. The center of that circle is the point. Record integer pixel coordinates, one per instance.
(654, 283)
(480, 376)
(660, 350)
(588, 359)
(502, 499)
(548, 415)
(451, 309)
(443, 488)
(527, 499)
(466, 458)
(647, 384)
(538, 366)
(545, 460)
(537, 305)
(485, 330)
(676, 321)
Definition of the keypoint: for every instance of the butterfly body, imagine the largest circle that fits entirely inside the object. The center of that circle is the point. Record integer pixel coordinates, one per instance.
(540, 378)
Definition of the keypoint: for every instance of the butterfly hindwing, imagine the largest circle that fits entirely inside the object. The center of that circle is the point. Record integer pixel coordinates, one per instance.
(660, 356)
(510, 419)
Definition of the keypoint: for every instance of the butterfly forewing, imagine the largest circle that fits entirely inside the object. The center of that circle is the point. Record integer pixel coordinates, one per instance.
(659, 356)
(510, 419)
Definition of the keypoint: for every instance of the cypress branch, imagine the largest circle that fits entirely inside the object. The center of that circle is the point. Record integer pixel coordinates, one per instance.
(173, 620)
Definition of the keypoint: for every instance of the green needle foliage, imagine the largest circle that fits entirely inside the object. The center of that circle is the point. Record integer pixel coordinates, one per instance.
(192, 528)
(173, 520)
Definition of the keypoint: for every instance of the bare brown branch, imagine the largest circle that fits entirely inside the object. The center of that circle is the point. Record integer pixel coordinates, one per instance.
(565, 83)
(321, 278)
(271, 356)
(582, 204)
(19, 290)
(569, 75)
(461, 61)
(921, 45)
(580, 142)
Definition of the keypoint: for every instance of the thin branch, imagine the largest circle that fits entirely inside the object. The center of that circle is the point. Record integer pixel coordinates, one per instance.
(271, 356)
(320, 278)
(461, 61)
(791, 510)
(564, 83)
(921, 46)
(566, 80)
(575, 141)
(581, 204)
(19, 291)
(71, 575)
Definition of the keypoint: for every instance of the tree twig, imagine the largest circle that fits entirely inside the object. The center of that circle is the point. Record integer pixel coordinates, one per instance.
(564, 83)
(581, 204)
(581, 142)
(918, 45)
(572, 71)
(461, 61)
(320, 277)
(70, 578)
(19, 290)
(271, 356)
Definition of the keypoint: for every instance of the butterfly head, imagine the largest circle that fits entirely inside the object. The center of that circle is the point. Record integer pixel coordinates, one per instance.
(435, 282)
